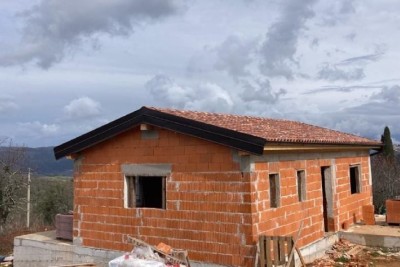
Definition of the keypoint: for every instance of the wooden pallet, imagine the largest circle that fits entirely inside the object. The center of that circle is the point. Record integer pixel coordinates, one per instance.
(275, 250)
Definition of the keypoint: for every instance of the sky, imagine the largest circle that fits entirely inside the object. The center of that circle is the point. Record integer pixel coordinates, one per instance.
(67, 67)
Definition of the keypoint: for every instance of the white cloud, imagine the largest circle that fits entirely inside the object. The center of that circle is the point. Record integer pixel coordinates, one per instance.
(38, 129)
(224, 56)
(206, 96)
(83, 107)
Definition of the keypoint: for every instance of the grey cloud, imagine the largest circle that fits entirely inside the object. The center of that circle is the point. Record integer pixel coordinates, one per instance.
(347, 7)
(389, 95)
(333, 73)
(261, 91)
(315, 42)
(206, 96)
(350, 69)
(233, 55)
(345, 89)
(381, 110)
(351, 36)
(7, 104)
(279, 48)
(362, 59)
(54, 28)
(83, 107)
(338, 11)
(250, 96)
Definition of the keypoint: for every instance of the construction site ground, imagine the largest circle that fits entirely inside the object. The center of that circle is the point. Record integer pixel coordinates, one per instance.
(345, 253)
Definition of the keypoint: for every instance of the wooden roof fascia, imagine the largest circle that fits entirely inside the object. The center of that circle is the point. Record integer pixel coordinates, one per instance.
(314, 146)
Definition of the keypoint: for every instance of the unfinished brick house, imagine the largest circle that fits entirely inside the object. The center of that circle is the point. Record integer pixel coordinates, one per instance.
(212, 183)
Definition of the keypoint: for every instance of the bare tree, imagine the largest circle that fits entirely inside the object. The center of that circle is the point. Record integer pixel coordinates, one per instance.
(12, 182)
(386, 180)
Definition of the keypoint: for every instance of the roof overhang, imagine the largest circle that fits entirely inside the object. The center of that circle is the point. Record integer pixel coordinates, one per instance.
(278, 146)
(146, 118)
(219, 135)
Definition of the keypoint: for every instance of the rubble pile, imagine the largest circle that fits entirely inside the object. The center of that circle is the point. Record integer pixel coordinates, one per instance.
(343, 253)
(144, 255)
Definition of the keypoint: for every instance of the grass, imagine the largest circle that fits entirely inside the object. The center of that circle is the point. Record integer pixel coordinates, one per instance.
(342, 259)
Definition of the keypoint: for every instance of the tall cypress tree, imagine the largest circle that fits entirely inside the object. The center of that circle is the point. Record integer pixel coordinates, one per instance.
(388, 150)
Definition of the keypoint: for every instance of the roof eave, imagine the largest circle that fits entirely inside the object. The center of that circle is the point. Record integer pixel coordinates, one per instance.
(303, 146)
(223, 136)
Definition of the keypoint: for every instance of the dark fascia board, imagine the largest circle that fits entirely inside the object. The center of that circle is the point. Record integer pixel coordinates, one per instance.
(223, 136)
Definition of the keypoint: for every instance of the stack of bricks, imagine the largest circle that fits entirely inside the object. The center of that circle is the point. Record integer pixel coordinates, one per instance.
(368, 213)
(393, 211)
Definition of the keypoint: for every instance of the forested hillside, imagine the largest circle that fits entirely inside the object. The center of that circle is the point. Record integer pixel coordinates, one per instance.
(41, 160)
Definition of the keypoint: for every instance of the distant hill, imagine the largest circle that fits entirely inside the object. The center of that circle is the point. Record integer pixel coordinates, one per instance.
(42, 161)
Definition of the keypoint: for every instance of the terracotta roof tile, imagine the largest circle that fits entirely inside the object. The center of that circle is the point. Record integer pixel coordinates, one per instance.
(273, 130)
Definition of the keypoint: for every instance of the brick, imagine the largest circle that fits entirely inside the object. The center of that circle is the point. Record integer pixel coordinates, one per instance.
(219, 207)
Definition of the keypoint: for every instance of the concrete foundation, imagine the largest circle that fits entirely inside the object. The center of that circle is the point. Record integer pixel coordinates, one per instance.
(380, 235)
(43, 250)
(317, 249)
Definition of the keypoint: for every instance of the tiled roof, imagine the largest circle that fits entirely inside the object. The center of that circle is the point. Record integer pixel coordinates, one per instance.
(272, 130)
(244, 133)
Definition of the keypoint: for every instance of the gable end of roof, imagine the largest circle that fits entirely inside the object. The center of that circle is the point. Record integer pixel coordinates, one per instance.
(212, 133)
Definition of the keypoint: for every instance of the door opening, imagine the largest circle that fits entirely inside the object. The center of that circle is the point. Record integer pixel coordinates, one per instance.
(327, 198)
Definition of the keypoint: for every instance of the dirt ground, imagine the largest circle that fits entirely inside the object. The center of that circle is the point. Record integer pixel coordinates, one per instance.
(346, 254)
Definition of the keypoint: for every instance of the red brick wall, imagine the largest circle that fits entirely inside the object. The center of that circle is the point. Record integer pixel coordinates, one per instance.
(208, 209)
(286, 219)
(213, 209)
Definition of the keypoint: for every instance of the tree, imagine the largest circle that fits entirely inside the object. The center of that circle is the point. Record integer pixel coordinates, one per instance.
(385, 173)
(53, 196)
(385, 180)
(12, 182)
(388, 150)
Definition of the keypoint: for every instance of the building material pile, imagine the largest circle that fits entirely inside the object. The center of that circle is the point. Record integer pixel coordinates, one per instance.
(144, 255)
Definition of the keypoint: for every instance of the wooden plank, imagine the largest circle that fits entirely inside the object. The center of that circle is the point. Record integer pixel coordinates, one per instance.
(262, 250)
(276, 250)
(303, 262)
(289, 242)
(257, 254)
(294, 244)
(281, 245)
(268, 252)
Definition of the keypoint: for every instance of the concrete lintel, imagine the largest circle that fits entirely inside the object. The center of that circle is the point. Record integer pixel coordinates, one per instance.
(146, 169)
